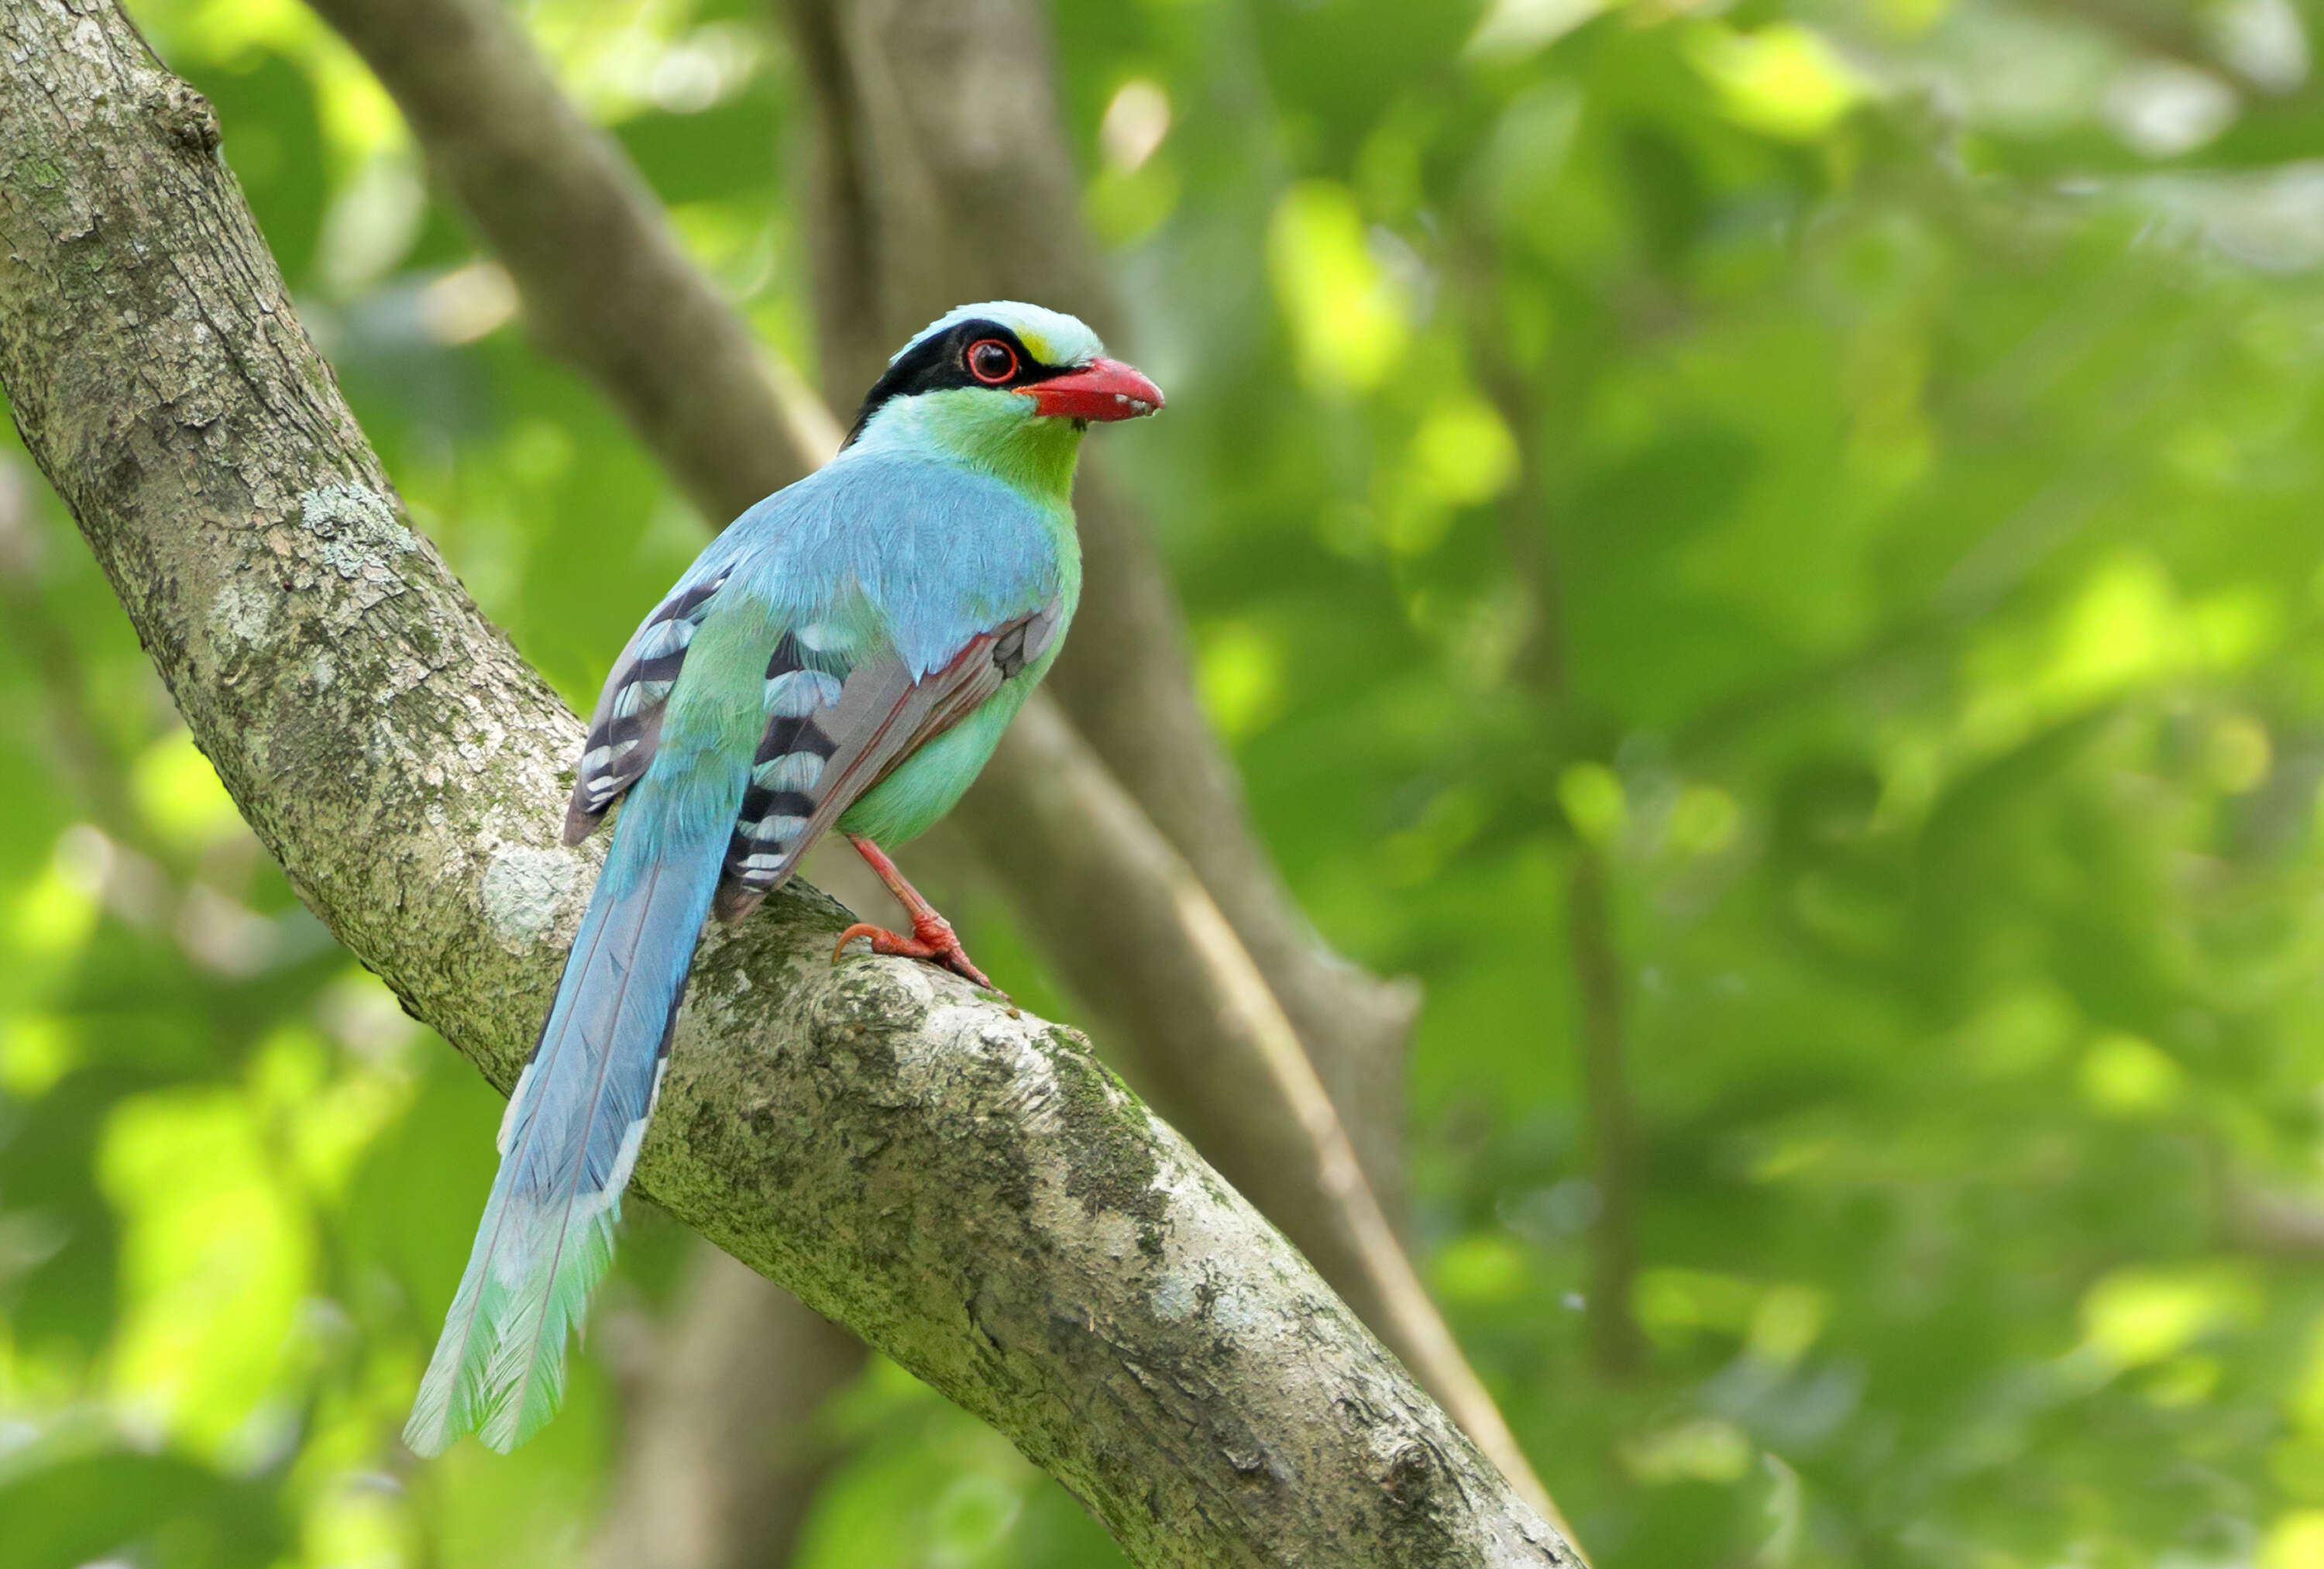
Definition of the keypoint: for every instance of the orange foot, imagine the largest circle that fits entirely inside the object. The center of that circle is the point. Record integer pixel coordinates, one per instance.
(932, 935)
(932, 939)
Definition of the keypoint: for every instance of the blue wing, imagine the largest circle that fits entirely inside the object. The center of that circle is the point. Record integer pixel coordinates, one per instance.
(839, 720)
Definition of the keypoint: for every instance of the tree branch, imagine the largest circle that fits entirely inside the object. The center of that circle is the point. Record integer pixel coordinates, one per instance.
(1614, 1336)
(964, 1186)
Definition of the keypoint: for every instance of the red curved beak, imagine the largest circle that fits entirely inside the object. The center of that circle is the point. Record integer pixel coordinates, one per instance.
(1101, 390)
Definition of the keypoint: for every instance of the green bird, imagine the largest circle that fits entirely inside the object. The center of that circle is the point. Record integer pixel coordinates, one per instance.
(846, 653)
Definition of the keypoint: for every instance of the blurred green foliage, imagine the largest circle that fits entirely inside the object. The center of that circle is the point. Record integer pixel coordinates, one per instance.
(1854, 469)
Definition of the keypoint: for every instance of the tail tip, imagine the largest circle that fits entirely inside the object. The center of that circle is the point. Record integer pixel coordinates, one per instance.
(427, 1437)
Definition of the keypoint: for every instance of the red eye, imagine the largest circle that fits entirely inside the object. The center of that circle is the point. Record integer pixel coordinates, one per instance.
(991, 361)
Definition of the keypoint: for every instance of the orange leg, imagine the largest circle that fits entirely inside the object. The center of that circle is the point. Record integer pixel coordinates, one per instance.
(932, 937)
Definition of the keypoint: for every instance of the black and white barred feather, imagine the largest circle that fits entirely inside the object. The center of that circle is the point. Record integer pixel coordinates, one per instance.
(627, 724)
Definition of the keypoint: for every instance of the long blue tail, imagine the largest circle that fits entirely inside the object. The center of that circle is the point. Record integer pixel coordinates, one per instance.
(573, 1127)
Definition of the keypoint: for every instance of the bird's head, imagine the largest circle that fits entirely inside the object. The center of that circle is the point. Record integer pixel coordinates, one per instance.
(1005, 384)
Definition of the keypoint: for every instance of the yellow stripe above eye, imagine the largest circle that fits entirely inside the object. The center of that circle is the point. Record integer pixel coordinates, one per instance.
(1035, 345)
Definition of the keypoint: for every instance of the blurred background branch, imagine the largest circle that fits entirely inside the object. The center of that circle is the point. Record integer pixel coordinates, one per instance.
(1531, 534)
(723, 1443)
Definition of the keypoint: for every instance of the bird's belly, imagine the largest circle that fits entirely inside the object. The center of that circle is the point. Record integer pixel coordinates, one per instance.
(925, 785)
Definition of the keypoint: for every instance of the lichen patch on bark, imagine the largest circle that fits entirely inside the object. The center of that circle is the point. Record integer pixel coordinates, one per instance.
(243, 609)
(358, 528)
(521, 890)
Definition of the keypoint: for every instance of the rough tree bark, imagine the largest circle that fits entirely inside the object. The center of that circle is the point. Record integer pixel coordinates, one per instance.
(1124, 919)
(967, 1188)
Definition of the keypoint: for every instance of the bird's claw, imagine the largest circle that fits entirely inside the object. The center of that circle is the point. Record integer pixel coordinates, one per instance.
(933, 940)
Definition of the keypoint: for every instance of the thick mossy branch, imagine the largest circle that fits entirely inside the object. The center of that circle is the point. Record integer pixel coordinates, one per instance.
(964, 1186)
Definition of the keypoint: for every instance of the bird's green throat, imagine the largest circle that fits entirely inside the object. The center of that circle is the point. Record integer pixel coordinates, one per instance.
(991, 430)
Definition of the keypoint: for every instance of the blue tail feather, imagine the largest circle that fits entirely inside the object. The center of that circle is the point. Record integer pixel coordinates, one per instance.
(574, 1123)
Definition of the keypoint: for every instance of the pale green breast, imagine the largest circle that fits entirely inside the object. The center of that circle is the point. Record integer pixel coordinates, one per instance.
(930, 782)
